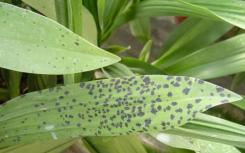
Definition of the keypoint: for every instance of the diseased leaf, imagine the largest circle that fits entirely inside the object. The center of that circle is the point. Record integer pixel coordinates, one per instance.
(108, 107)
(55, 49)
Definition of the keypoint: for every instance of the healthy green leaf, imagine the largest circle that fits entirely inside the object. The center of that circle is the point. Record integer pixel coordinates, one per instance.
(121, 144)
(191, 35)
(108, 14)
(220, 59)
(53, 146)
(117, 48)
(140, 67)
(55, 49)
(117, 70)
(240, 104)
(231, 11)
(47, 7)
(140, 28)
(212, 128)
(145, 53)
(199, 146)
(154, 146)
(108, 107)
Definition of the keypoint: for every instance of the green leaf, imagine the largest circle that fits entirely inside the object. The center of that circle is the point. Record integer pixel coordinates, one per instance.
(240, 104)
(47, 7)
(117, 70)
(44, 147)
(89, 28)
(117, 48)
(155, 146)
(121, 144)
(212, 128)
(191, 35)
(108, 15)
(108, 107)
(199, 146)
(55, 49)
(145, 53)
(140, 28)
(220, 59)
(75, 16)
(231, 11)
(140, 67)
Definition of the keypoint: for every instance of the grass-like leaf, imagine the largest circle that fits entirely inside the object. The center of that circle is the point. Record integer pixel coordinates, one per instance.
(108, 107)
(231, 11)
(220, 59)
(35, 44)
(188, 37)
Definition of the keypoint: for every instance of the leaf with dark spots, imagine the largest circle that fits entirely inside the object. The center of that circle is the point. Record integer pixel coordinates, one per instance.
(44, 44)
(71, 111)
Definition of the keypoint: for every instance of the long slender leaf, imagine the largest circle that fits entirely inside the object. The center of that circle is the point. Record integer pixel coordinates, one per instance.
(145, 52)
(121, 144)
(199, 146)
(108, 107)
(44, 147)
(220, 59)
(188, 37)
(54, 49)
(141, 67)
(231, 11)
(140, 28)
(211, 128)
(117, 70)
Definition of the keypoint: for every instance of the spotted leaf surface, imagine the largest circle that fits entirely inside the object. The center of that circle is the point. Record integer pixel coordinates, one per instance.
(35, 44)
(109, 107)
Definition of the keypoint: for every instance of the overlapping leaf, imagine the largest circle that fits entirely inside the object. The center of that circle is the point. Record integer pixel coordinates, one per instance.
(108, 107)
(220, 59)
(231, 11)
(197, 145)
(35, 44)
(188, 37)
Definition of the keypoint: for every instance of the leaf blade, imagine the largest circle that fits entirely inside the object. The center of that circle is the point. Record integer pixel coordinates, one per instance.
(49, 114)
(62, 52)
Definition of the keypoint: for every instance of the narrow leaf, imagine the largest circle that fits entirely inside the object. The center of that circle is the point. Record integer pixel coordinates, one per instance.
(145, 53)
(220, 59)
(212, 128)
(140, 28)
(231, 11)
(199, 146)
(141, 67)
(188, 37)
